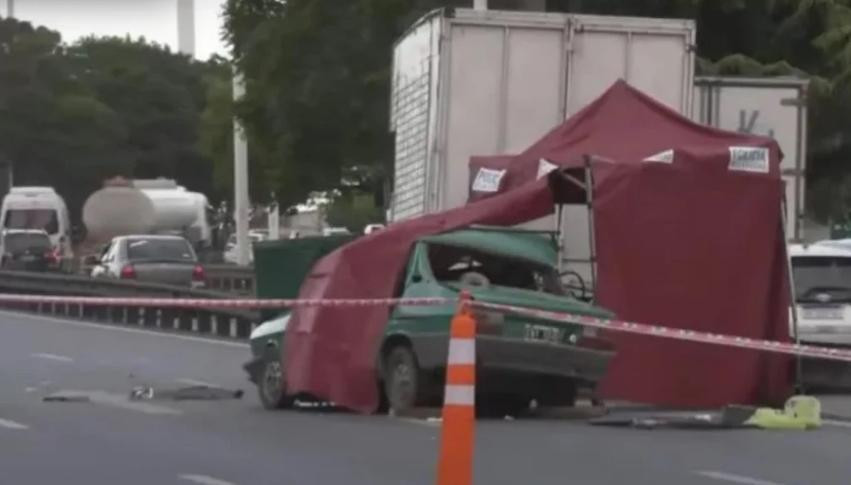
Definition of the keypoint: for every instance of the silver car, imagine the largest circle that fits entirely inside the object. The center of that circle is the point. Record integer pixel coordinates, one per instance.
(151, 259)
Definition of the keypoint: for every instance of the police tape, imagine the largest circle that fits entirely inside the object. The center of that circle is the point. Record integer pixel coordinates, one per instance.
(659, 331)
(217, 304)
(774, 346)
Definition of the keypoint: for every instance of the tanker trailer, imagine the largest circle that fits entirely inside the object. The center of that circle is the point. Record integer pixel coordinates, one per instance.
(157, 206)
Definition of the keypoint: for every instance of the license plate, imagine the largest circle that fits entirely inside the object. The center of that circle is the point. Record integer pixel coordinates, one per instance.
(543, 333)
(823, 313)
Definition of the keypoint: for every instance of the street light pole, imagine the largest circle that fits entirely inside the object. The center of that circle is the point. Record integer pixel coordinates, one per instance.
(240, 177)
(10, 9)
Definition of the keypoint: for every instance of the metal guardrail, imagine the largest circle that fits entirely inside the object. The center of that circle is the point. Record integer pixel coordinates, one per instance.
(229, 323)
(230, 278)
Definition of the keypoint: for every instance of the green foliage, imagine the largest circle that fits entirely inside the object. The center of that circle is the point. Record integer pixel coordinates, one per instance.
(72, 116)
(354, 211)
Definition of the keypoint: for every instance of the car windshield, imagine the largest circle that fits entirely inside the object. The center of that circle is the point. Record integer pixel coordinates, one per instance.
(820, 275)
(451, 264)
(45, 219)
(20, 242)
(159, 249)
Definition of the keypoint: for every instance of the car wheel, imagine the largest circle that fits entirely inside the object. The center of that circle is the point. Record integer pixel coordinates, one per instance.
(402, 383)
(560, 392)
(272, 386)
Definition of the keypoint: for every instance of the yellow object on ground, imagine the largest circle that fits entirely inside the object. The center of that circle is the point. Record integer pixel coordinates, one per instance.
(800, 412)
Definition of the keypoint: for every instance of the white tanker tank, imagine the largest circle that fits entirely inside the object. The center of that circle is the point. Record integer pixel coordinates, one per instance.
(157, 206)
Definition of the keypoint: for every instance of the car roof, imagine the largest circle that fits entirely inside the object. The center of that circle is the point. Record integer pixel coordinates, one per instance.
(24, 231)
(164, 237)
(528, 245)
(822, 249)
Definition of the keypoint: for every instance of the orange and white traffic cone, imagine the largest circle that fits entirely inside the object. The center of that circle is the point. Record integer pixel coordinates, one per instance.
(455, 465)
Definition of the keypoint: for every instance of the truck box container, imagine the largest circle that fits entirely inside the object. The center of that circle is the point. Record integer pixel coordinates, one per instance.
(775, 107)
(471, 82)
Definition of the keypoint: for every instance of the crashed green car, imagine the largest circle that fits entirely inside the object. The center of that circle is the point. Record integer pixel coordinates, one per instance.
(519, 358)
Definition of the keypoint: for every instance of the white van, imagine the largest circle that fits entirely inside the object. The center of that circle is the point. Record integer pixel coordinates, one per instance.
(39, 208)
(822, 276)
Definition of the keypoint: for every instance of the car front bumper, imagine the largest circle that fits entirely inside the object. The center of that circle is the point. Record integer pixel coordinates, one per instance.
(254, 369)
(495, 354)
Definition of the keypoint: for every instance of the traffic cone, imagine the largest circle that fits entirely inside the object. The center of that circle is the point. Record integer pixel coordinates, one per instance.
(455, 465)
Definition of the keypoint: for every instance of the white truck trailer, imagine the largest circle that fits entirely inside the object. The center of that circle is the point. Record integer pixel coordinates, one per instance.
(481, 82)
(775, 107)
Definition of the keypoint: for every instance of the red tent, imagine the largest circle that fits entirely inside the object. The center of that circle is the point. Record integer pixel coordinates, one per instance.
(717, 200)
(622, 124)
(687, 234)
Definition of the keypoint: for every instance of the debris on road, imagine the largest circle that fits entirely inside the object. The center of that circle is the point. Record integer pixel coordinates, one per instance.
(191, 393)
(66, 397)
(799, 413)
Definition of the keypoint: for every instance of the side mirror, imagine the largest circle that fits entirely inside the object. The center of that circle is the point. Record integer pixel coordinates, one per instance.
(91, 260)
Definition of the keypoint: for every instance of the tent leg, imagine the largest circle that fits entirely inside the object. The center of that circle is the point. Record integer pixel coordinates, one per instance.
(799, 371)
(559, 223)
(589, 201)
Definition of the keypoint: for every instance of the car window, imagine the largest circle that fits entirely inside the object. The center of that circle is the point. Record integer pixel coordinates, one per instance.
(450, 263)
(142, 249)
(45, 219)
(822, 275)
(16, 243)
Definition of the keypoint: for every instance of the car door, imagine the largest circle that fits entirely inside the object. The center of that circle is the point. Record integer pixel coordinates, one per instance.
(102, 269)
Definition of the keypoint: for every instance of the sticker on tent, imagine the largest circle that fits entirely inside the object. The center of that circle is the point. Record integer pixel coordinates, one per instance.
(488, 180)
(545, 167)
(666, 156)
(749, 159)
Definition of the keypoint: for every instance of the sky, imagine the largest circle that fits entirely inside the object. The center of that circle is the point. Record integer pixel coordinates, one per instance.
(156, 20)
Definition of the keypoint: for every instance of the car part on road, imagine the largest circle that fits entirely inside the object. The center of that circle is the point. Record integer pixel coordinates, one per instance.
(272, 387)
(66, 397)
(192, 393)
(402, 379)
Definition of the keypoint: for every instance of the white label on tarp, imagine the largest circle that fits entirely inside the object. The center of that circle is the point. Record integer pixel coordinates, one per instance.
(749, 159)
(545, 167)
(488, 180)
(666, 156)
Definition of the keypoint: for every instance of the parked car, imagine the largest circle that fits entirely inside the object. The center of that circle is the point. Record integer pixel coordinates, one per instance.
(520, 358)
(822, 277)
(151, 259)
(28, 250)
(230, 255)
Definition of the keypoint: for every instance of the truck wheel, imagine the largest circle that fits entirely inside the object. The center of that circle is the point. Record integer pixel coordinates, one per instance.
(272, 387)
(402, 383)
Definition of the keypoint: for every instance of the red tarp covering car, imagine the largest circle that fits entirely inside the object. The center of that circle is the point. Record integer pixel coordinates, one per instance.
(331, 351)
(692, 245)
(674, 272)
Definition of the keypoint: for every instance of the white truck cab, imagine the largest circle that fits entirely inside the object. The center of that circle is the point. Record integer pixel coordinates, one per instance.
(39, 208)
(821, 273)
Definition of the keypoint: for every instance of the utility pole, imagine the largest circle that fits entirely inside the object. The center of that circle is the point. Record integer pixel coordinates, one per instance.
(240, 177)
(10, 9)
(185, 27)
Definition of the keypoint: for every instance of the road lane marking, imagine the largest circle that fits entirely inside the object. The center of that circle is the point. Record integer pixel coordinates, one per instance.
(5, 423)
(54, 357)
(838, 424)
(203, 479)
(196, 382)
(731, 478)
(189, 338)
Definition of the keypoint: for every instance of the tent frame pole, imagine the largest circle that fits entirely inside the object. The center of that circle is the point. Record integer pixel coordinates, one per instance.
(799, 369)
(589, 202)
(559, 223)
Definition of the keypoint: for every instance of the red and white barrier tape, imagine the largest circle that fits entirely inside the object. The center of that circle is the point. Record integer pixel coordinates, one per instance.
(615, 325)
(236, 303)
(678, 334)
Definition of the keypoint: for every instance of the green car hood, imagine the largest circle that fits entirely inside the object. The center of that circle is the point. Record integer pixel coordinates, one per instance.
(501, 295)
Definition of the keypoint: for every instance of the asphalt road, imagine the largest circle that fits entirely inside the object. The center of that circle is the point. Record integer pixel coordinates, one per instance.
(110, 440)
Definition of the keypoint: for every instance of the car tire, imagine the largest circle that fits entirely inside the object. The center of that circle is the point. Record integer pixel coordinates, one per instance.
(402, 380)
(561, 393)
(272, 387)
